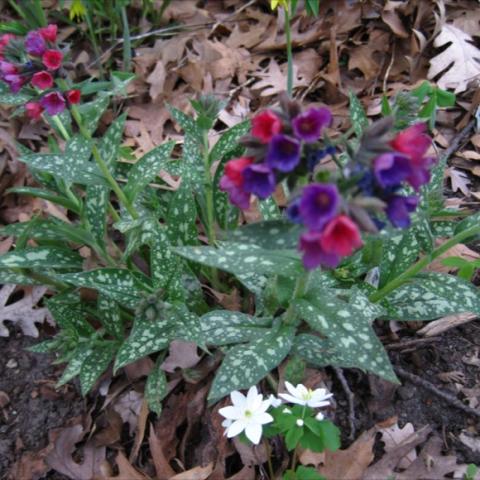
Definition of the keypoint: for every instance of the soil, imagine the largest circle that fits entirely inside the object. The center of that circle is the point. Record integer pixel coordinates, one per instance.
(31, 406)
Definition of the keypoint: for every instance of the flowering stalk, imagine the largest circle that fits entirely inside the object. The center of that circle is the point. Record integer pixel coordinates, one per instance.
(103, 166)
(422, 263)
(301, 287)
(208, 192)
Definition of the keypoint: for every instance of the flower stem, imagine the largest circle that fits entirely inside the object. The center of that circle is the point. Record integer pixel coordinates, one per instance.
(210, 227)
(103, 166)
(422, 263)
(289, 53)
(301, 288)
(269, 459)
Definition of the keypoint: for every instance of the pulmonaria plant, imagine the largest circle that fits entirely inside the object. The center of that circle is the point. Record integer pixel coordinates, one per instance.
(287, 145)
(36, 62)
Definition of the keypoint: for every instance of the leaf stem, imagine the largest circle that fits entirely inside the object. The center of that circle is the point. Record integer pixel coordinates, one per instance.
(301, 288)
(103, 166)
(210, 227)
(422, 263)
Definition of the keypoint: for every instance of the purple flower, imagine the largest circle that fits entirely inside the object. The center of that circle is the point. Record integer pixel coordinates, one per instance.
(391, 169)
(7, 68)
(293, 211)
(35, 44)
(236, 194)
(313, 254)
(15, 82)
(308, 125)
(399, 208)
(283, 153)
(319, 204)
(53, 103)
(259, 179)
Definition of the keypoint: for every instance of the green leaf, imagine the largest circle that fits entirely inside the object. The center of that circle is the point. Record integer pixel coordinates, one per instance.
(116, 283)
(156, 388)
(147, 168)
(9, 98)
(69, 314)
(270, 234)
(224, 327)
(95, 364)
(399, 252)
(445, 98)
(357, 114)
(182, 215)
(44, 347)
(430, 296)
(7, 276)
(91, 112)
(443, 228)
(188, 124)
(292, 437)
(154, 328)
(243, 259)
(468, 222)
(73, 166)
(46, 195)
(228, 142)
(246, 365)
(109, 315)
(75, 364)
(313, 8)
(269, 209)
(347, 326)
(44, 257)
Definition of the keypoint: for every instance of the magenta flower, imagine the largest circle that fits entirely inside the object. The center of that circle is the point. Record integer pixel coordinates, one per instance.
(283, 153)
(265, 125)
(53, 103)
(35, 44)
(52, 59)
(34, 110)
(399, 208)
(259, 179)
(236, 194)
(319, 204)
(391, 169)
(49, 33)
(313, 253)
(42, 80)
(308, 125)
(7, 68)
(341, 236)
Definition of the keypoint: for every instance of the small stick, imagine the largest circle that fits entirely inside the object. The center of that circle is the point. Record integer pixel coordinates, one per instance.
(411, 343)
(350, 399)
(450, 399)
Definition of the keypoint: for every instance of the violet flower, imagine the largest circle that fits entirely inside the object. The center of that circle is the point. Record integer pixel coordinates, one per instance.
(14, 81)
(53, 103)
(259, 179)
(399, 208)
(319, 204)
(283, 153)
(236, 194)
(391, 169)
(308, 125)
(313, 253)
(35, 44)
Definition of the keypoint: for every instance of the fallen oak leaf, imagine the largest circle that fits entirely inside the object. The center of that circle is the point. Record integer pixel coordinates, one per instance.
(181, 355)
(394, 436)
(125, 470)
(459, 180)
(60, 459)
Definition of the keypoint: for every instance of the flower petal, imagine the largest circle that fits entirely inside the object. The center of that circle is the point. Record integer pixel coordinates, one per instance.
(263, 418)
(292, 399)
(236, 428)
(238, 399)
(233, 413)
(291, 389)
(317, 404)
(254, 433)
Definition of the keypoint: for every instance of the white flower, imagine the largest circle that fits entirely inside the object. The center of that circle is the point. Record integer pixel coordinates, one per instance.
(300, 422)
(302, 395)
(286, 410)
(274, 401)
(319, 416)
(248, 413)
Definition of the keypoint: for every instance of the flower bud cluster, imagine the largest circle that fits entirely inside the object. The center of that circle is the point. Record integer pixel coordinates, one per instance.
(36, 61)
(288, 145)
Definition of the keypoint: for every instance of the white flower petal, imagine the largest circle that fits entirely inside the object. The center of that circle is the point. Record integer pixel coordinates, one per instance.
(291, 389)
(302, 391)
(292, 399)
(319, 416)
(238, 399)
(235, 428)
(274, 401)
(316, 404)
(252, 396)
(256, 404)
(233, 413)
(254, 433)
(263, 418)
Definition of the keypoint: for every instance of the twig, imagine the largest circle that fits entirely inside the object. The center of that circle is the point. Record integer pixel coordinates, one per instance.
(458, 139)
(450, 399)
(411, 343)
(350, 400)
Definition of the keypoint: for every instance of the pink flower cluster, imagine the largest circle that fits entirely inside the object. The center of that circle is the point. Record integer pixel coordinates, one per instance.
(35, 61)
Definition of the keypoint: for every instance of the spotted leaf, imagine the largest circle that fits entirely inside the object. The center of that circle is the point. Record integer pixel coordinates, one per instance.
(75, 364)
(91, 112)
(109, 314)
(431, 296)
(269, 209)
(223, 327)
(243, 259)
(95, 364)
(346, 324)
(41, 257)
(156, 389)
(245, 365)
(228, 142)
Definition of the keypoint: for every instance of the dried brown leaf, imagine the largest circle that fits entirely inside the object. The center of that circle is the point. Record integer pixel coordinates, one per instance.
(181, 355)
(197, 473)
